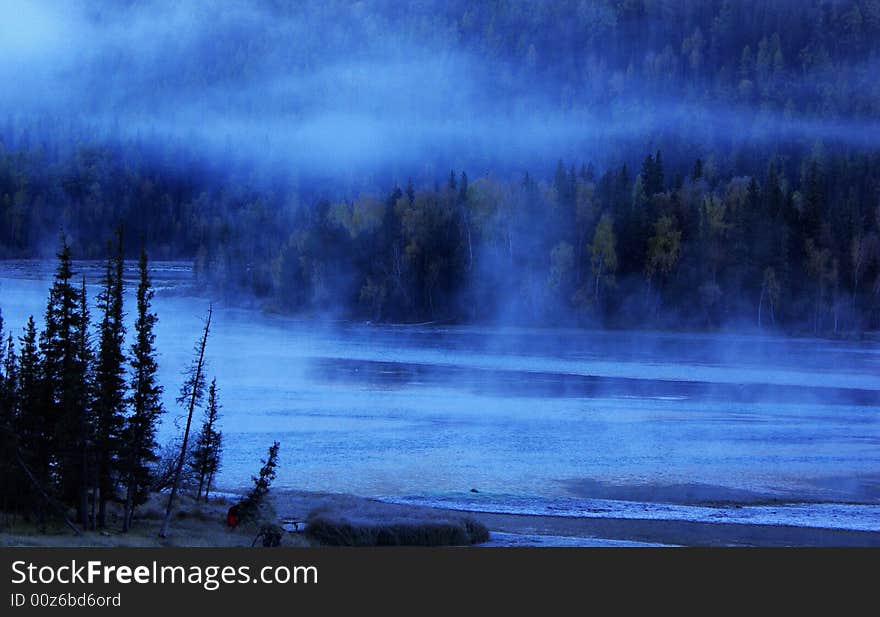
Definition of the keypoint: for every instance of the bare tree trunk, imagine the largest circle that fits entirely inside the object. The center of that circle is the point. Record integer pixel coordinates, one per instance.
(84, 489)
(102, 507)
(208, 485)
(201, 487)
(96, 496)
(127, 514)
(192, 404)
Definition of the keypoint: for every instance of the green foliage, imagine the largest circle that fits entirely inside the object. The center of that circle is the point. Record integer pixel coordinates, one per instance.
(144, 400)
(664, 248)
(110, 381)
(76, 428)
(65, 383)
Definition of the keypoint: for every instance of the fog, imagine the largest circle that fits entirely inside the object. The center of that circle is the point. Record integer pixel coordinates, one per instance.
(424, 415)
(324, 91)
(375, 325)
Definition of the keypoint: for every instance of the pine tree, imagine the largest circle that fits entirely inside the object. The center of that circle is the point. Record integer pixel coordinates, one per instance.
(697, 173)
(2, 352)
(83, 395)
(7, 428)
(4, 386)
(33, 425)
(206, 455)
(653, 175)
(10, 377)
(191, 394)
(250, 507)
(659, 174)
(812, 213)
(64, 381)
(109, 381)
(15, 486)
(139, 437)
(463, 188)
(647, 175)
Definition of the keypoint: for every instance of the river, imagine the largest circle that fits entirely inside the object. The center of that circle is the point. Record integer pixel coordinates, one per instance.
(566, 422)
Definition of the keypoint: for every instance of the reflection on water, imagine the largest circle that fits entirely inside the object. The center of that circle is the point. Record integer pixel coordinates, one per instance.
(395, 411)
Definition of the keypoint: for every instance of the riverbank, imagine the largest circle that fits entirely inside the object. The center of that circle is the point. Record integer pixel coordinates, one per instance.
(336, 520)
(542, 530)
(204, 525)
(193, 525)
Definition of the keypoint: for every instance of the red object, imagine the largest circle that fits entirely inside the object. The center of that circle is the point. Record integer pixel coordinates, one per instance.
(232, 516)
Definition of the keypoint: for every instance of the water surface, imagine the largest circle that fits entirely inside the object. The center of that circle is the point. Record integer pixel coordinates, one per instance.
(530, 419)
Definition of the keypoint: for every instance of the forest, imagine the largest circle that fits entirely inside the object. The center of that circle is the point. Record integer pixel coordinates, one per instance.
(79, 412)
(81, 405)
(616, 163)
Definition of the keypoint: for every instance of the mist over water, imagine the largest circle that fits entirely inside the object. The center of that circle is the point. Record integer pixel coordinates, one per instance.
(529, 418)
(289, 150)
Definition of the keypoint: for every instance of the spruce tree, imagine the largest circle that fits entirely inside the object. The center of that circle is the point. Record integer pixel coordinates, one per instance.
(64, 381)
(697, 173)
(7, 430)
(33, 427)
(463, 188)
(5, 385)
(659, 178)
(83, 404)
(2, 353)
(145, 403)
(14, 482)
(109, 380)
(9, 370)
(206, 455)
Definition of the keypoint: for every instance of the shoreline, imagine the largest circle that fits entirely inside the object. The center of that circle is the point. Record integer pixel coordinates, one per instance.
(544, 530)
(271, 309)
(204, 525)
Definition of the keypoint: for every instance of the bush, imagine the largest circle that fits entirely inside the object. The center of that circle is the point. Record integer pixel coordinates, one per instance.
(425, 531)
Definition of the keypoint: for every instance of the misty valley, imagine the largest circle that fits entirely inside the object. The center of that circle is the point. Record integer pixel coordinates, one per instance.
(447, 272)
(618, 424)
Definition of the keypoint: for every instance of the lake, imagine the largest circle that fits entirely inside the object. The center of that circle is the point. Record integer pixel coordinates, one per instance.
(565, 422)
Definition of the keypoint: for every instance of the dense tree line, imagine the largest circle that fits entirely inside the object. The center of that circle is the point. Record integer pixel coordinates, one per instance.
(621, 248)
(79, 412)
(668, 228)
(794, 245)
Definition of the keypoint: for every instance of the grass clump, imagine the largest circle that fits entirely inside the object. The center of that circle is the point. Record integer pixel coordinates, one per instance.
(333, 528)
